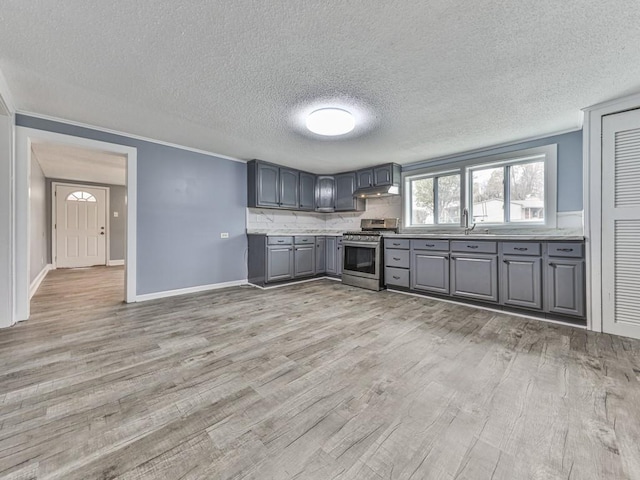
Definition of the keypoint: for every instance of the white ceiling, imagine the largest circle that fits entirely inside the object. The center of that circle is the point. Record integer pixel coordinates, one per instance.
(73, 163)
(427, 77)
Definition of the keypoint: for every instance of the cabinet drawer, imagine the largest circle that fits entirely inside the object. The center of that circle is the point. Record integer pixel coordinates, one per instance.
(279, 240)
(302, 240)
(396, 258)
(396, 276)
(399, 243)
(574, 250)
(474, 247)
(521, 248)
(440, 245)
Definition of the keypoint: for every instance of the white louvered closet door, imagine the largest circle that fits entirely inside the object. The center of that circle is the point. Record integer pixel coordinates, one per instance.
(621, 224)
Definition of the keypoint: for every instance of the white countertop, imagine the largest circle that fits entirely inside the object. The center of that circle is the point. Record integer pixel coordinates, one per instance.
(293, 233)
(488, 236)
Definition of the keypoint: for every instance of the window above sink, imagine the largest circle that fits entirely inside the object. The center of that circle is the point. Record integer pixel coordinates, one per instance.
(517, 189)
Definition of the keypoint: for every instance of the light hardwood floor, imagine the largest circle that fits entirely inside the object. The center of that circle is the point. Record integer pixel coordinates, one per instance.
(313, 381)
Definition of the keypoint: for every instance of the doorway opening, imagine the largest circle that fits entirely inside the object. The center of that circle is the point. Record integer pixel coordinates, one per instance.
(78, 201)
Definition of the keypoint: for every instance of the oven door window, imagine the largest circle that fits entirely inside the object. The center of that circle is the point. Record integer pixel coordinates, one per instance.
(360, 259)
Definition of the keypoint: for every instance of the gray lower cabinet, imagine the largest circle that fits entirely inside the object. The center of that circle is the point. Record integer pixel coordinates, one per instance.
(307, 191)
(280, 261)
(475, 277)
(321, 255)
(430, 271)
(565, 286)
(331, 265)
(304, 260)
(521, 281)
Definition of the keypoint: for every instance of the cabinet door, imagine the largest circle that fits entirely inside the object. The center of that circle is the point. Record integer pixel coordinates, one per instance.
(383, 175)
(279, 263)
(475, 277)
(331, 251)
(345, 186)
(289, 188)
(430, 272)
(321, 254)
(565, 286)
(268, 185)
(325, 193)
(364, 178)
(521, 282)
(305, 260)
(307, 191)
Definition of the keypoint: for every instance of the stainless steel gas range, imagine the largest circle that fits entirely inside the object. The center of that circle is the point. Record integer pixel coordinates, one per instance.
(362, 258)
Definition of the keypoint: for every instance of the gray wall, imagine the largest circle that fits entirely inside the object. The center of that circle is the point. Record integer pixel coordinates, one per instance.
(185, 200)
(117, 226)
(39, 238)
(569, 165)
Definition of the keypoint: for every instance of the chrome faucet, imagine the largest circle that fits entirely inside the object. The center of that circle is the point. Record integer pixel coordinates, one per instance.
(465, 216)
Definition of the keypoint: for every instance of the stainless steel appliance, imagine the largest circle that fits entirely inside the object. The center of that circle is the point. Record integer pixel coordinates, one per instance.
(362, 253)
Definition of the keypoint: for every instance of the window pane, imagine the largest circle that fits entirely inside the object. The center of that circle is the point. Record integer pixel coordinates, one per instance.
(487, 192)
(526, 183)
(449, 199)
(422, 201)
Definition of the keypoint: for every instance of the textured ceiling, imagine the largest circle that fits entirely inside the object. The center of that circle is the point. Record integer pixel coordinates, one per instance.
(426, 77)
(73, 163)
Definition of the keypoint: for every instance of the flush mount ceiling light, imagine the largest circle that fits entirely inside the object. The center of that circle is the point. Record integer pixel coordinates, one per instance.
(330, 121)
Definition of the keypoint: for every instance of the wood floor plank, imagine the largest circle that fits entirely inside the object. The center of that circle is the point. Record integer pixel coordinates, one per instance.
(309, 381)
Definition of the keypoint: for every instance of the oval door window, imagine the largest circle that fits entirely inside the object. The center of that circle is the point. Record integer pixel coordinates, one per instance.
(80, 196)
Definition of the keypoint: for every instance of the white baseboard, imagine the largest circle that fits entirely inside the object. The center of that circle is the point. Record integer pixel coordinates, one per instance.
(33, 288)
(115, 263)
(184, 291)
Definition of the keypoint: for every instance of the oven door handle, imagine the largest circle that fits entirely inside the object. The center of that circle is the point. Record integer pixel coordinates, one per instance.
(349, 243)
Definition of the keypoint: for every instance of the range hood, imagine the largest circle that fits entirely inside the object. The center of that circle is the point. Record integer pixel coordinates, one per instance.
(373, 192)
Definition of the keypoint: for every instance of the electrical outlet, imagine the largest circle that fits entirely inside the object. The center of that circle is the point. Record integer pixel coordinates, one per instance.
(115, 214)
(224, 235)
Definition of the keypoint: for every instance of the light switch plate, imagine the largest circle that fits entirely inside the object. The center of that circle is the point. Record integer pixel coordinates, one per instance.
(224, 235)
(115, 214)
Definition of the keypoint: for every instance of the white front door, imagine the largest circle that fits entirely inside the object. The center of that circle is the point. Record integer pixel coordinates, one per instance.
(621, 224)
(80, 226)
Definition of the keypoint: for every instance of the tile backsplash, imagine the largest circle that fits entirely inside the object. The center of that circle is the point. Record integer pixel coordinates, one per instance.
(264, 219)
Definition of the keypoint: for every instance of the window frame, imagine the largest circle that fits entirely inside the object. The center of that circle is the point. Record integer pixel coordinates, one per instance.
(465, 166)
(435, 176)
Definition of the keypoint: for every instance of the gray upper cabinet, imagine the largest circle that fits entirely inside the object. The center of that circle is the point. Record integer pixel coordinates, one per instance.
(565, 286)
(279, 263)
(267, 185)
(289, 188)
(325, 193)
(307, 191)
(430, 271)
(345, 186)
(475, 277)
(321, 250)
(304, 260)
(364, 178)
(388, 174)
(521, 281)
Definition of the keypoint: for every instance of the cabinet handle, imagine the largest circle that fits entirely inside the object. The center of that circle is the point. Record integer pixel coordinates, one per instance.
(280, 241)
(396, 277)
(521, 249)
(472, 246)
(396, 244)
(552, 265)
(506, 261)
(396, 259)
(429, 245)
(565, 249)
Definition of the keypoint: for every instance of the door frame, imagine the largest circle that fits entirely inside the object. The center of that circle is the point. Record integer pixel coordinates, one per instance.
(54, 214)
(592, 199)
(24, 137)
